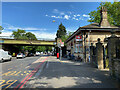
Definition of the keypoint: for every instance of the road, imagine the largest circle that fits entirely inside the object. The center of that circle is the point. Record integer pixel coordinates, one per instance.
(15, 71)
(49, 72)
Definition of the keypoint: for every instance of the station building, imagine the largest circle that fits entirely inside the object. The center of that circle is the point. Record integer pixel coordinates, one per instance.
(89, 34)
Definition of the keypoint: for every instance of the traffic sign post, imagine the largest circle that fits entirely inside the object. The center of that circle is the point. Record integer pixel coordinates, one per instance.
(60, 44)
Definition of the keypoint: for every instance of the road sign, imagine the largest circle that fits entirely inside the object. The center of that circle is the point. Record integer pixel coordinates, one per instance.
(62, 44)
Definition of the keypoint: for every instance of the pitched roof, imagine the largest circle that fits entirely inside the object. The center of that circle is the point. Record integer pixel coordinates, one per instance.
(93, 27)
(96, 25)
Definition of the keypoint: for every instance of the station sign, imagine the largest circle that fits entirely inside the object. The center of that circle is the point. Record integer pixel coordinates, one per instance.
(78, 38)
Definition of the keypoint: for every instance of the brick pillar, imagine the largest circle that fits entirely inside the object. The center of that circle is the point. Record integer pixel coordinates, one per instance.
(99, 54)
(112, 52)
(91, 53)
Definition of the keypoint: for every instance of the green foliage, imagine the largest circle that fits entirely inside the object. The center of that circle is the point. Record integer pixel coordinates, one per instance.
(61, 31)
(19, 34)
(1, 28)
(30, 36)
(22, 35)
(65, 37)
(113, 10)
(16, 48)
(43, 48)
(31, 49)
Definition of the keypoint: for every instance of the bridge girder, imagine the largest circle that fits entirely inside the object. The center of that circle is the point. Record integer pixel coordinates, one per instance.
(27, 42)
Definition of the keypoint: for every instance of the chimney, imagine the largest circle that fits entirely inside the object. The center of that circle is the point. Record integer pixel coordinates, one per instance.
(104, 21)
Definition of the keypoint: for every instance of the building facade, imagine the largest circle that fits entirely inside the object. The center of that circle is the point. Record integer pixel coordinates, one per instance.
(89, 34)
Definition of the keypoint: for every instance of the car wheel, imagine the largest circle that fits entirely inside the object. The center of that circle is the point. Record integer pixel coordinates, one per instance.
(10, 59)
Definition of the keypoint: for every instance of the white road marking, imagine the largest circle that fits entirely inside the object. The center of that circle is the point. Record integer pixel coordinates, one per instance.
(27, 67)
(47, 64)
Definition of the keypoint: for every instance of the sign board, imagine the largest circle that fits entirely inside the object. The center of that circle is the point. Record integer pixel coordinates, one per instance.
(62, 44)
(78, 45)
(79, 38)
(58, 42)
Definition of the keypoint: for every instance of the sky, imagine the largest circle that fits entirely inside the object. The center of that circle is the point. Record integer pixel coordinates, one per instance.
(38, 17)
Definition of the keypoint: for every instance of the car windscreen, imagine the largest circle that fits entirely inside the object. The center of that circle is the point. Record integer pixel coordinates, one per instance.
(19, 54)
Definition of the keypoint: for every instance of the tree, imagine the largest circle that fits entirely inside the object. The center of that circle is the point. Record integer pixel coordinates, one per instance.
(41, 48)
(1, 28)
(61, 31)
(44, 48)
(31, 49)
(22, 35)
(113, 10)
(19, 34)
(30, 36)
(65, 37)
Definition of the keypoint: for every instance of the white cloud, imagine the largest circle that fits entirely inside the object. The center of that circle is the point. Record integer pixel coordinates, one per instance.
(56, 17)
(81, 18)
(78, 15)
(69, 12)
(62, 13)
(73, 29)
(66, 17)
(58, 12)
(55, 10)
(73, 18)
(7, 34)
(45, 35)
(70, 16)
(11, 27)
(46, 15)
(74, 15)
(77, 19)
(84, 15)
(59, 17)
(53, 16)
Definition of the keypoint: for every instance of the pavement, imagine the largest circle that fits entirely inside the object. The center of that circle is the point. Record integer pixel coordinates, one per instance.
(55, 73)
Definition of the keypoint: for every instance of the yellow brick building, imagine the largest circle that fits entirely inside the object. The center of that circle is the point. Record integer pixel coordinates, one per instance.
(90, 33)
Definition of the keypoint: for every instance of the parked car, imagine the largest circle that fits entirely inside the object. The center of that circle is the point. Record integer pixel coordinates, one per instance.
(20, 55)
(41, 53)
(30, 54)
(37, 53)
(4, 55)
